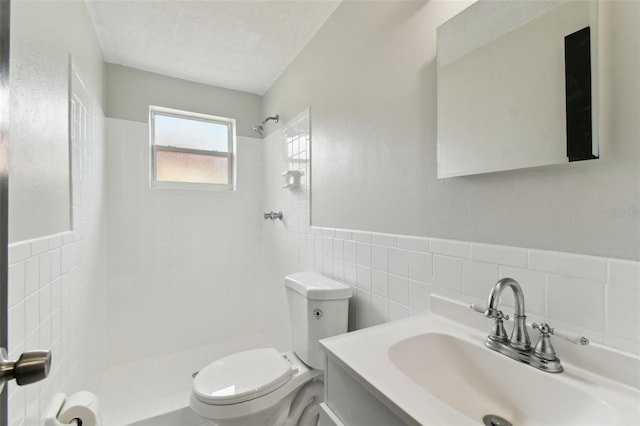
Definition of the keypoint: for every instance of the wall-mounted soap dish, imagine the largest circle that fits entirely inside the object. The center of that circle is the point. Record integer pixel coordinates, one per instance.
(291, 179)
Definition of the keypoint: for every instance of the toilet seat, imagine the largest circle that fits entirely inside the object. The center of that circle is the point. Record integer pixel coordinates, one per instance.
(300, 374)
(242, 376)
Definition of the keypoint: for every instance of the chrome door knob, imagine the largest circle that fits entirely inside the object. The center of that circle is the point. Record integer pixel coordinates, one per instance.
(31, 367)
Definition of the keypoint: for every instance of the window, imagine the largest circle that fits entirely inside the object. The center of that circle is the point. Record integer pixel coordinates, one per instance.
(190, 150)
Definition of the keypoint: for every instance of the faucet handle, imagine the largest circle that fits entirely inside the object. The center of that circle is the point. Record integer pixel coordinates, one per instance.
(543, 327)
(478, 308)
(544, 348)
(494, 313)
(498, 332)
(570, 337)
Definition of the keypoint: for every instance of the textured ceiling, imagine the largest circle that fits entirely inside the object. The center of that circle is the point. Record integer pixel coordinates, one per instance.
(242, 45)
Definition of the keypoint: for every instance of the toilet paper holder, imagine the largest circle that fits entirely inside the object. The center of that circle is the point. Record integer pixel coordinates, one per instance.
(79, 409)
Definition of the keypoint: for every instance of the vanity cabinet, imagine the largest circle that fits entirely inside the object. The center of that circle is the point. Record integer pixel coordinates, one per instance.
(351, 401)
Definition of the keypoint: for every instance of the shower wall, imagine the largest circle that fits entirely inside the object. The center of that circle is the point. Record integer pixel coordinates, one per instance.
(181, 263)
(183, 282)
(286, 147)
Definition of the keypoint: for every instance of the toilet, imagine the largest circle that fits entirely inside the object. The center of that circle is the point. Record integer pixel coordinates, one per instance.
(263, 387)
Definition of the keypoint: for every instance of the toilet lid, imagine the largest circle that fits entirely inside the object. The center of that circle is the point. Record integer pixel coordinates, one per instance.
(242, 376)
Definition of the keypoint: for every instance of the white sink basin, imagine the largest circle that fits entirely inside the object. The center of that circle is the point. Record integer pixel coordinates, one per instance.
(434, 370)
(477, 381)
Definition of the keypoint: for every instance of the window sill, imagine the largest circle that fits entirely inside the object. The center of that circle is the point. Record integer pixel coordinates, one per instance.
(191, 186)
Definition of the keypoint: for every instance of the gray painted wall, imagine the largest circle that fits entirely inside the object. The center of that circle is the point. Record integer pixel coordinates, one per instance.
(369, 76)
(131, 91)
(43, 34)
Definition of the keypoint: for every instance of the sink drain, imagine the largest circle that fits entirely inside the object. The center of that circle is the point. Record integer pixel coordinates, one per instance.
(493, 420)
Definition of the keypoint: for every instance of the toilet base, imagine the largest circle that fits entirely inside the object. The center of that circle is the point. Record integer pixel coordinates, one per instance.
(273, 416)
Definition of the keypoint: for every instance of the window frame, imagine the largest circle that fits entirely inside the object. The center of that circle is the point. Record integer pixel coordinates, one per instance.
(230, 123)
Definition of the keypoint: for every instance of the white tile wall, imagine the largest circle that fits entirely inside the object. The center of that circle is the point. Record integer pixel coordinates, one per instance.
(413, 243)
(56, 283)
(399, 262)
(394, 275)
(574, 265)
(320, 248)
(532, 283)
(380, 258)
(512, 256)
(478, 277)
(174, 254)
(447, 272)
(623, 297)
(576, 301)
(289, 245)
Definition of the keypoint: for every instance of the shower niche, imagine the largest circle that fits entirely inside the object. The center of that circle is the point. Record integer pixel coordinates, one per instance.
(517, 86)
(297, 147)
(291, 179)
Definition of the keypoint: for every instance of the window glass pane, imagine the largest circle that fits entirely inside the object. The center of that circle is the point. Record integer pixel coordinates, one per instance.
(188, 133)
(189, 167)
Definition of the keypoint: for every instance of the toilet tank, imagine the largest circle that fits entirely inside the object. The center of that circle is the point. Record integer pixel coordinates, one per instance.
(318, 308)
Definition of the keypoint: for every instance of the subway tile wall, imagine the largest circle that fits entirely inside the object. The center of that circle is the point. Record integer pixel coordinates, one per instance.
(394, 275)
(56, 283)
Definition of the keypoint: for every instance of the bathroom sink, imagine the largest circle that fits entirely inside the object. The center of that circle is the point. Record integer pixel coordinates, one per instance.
(476, 381)
(433, 370)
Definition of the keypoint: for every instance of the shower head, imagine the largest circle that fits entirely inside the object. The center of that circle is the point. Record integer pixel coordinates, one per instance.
(259, 128)
(275, 118)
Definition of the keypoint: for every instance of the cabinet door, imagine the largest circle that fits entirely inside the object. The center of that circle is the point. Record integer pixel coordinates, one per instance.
(353, 404)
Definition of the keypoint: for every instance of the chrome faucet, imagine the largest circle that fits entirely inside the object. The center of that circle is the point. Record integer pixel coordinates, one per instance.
(518, 346)
(519, 336)
(273, 215)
